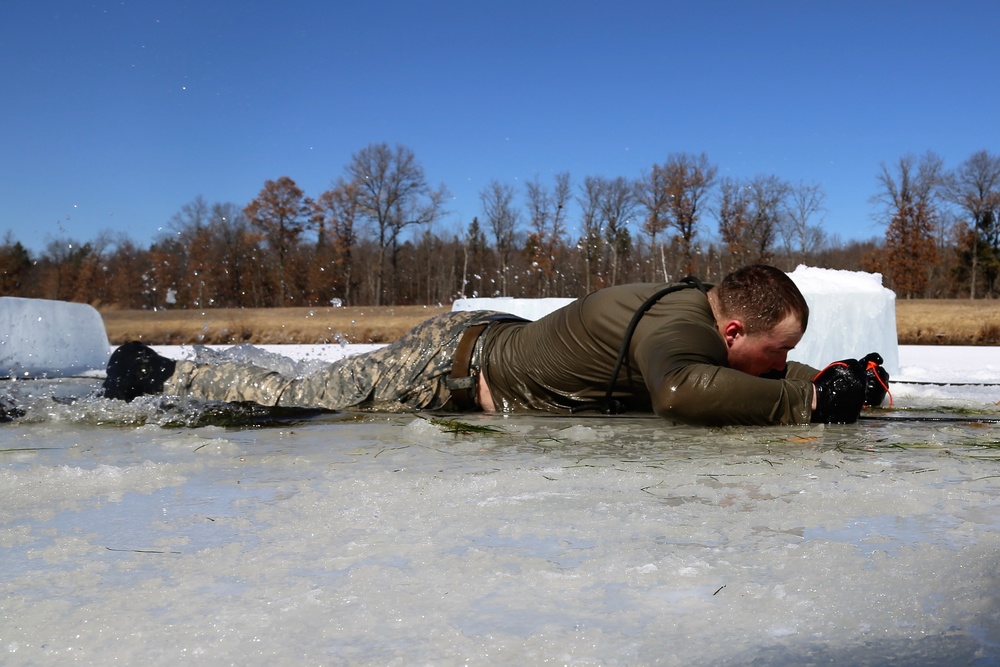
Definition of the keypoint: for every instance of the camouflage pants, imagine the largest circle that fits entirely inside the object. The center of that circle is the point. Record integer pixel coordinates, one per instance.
(409, 374)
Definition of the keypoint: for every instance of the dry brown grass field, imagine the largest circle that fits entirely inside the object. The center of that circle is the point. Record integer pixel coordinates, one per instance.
(918, 322)
(948, 322)
(266, 325)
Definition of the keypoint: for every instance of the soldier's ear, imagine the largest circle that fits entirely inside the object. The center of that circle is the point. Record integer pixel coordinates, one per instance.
(732, 330)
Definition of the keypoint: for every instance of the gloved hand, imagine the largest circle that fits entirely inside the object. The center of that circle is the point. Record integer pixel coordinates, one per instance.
(840, 392)
(876, 380)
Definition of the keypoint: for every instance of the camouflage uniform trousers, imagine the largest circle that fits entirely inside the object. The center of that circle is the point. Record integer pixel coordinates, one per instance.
(409, 374)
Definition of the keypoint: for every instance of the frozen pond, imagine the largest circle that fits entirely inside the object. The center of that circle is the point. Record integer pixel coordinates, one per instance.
(389, 539)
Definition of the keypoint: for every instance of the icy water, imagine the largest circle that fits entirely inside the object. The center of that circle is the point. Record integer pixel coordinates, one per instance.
(128, 538)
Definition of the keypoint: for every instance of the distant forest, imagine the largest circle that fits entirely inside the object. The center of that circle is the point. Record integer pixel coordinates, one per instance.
(376, 238)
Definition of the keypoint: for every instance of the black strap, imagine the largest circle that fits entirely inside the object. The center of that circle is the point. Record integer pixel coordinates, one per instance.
(612, 406)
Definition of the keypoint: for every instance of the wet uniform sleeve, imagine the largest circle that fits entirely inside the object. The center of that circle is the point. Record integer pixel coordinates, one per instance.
(797, 371)
(684, 368)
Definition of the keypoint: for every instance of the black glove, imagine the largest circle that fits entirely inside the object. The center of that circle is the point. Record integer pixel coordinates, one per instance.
(876, 380)
(840, 392)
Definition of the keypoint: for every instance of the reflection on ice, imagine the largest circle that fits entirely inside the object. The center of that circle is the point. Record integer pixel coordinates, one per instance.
(386, 539)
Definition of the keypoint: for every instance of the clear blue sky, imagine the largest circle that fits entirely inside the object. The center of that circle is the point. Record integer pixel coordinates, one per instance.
(117, 113)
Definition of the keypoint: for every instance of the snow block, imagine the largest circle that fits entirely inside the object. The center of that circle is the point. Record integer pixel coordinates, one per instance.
(43, 338)
(850, 315)
(529, 309)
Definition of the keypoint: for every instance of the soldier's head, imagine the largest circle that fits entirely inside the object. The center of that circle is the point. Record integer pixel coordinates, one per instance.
(761, 315)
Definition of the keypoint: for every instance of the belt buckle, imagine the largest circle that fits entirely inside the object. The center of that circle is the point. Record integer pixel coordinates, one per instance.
(467, 382)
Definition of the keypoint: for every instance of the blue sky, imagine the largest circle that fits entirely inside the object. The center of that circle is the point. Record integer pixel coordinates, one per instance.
(117, 113)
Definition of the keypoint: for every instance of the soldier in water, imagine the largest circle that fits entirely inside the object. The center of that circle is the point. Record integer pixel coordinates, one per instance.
(691, 353)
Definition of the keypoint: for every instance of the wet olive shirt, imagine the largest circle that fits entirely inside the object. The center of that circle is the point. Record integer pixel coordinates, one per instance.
(677, 358)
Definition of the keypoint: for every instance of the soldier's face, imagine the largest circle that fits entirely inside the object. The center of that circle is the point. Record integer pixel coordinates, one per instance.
(763, 352)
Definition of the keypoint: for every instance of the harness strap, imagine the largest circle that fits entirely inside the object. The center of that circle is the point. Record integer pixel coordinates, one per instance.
(613, 406)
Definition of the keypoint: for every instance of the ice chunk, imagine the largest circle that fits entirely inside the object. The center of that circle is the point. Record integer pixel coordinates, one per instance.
(43, 338)
(850, 315)
(529, 309)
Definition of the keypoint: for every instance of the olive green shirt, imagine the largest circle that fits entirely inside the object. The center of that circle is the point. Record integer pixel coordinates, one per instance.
(677, 359)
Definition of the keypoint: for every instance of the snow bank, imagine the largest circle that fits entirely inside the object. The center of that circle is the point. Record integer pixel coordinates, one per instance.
(529, 309)
(42, 338)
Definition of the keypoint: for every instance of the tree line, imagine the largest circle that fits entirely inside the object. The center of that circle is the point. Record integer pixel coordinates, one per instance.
(378, 236)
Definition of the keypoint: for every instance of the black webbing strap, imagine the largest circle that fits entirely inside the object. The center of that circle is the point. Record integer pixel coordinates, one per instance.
(613, 406)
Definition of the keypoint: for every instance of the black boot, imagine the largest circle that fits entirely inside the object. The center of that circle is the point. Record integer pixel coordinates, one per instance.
(9, 411)
(134, 369)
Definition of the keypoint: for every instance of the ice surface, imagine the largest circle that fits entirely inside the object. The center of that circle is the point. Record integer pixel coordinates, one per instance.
(389, 539)
(42, 338)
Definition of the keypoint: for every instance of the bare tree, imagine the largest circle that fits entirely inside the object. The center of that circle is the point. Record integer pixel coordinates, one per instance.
(653, 194)
(675, 195)
(393, 194)
(609, 206)
(547, 219)
(618, 206)
(591, 243)
(190, 218)
(974, 187)
(501, 218)
(210, 258)
(238, 252)
(689, 180)
(281, 211)
(909, 198)
(800, 237)
(335, 221)
(126, 266)
(733, 214)
(768, 195)
(92, 277)
(60, 267)
(474, 253)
